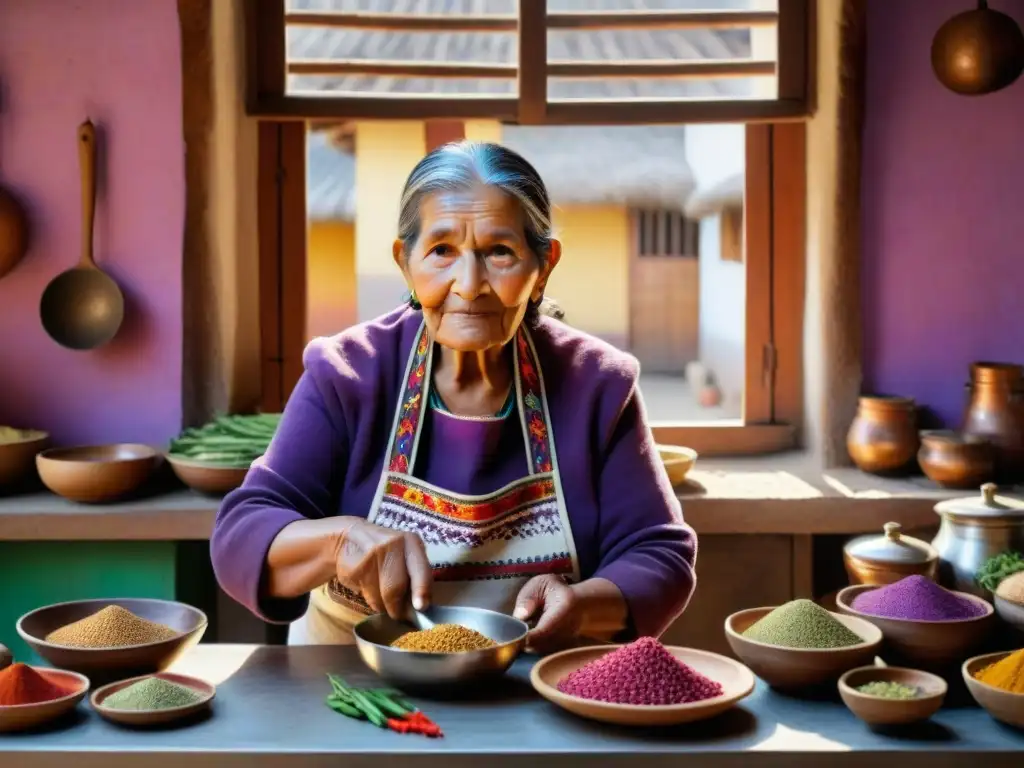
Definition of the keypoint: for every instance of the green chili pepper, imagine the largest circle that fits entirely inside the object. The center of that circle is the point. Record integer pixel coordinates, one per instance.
(344, 708)
(385, 703)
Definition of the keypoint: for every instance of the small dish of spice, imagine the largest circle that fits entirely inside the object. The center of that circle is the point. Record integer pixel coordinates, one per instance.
(457, 646)
(158, 699)
(922, 622)
(799, 644)
(31, 697)
(643, 683)
(996, 681)
(892, 695)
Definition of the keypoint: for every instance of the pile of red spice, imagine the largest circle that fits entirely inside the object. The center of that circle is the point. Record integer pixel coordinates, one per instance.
(643, 672)
(20, 684)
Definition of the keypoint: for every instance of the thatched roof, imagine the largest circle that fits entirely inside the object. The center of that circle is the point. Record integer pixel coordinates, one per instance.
(712, 200)
(641, 166)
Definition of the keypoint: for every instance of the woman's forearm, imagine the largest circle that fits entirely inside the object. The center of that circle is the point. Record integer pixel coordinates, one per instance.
(605, 612)
(303, 556)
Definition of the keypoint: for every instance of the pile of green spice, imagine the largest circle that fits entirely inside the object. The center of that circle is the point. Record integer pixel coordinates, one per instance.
(152, 693)
(887, 689)
(802, 624)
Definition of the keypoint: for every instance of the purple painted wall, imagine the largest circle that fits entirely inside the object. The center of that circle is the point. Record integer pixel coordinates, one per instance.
(118, 63)
(943, 215)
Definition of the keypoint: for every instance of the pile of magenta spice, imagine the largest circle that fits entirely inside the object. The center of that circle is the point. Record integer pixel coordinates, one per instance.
(917, 598)
(643, 673)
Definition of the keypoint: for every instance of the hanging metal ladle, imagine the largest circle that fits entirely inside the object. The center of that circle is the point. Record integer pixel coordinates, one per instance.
(978, 52)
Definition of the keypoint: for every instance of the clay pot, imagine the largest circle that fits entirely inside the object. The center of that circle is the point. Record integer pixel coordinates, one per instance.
(995, 411)
(883, 437)
(955, 460)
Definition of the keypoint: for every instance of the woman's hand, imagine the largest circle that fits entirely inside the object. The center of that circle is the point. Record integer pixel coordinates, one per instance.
(387, 567)
(594, 607)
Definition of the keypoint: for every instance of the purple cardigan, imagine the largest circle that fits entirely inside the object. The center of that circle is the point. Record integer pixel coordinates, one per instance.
(328, 454)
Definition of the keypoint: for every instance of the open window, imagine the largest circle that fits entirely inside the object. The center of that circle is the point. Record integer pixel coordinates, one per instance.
(679, 195)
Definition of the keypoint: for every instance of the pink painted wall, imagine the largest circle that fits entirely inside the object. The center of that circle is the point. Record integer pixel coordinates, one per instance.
(943, 214)
(118, 63)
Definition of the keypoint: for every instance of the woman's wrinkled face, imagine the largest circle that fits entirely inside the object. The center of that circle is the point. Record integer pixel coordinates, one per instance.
(471, 268)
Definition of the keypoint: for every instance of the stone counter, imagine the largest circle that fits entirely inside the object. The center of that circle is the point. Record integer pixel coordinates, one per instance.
(269, 712)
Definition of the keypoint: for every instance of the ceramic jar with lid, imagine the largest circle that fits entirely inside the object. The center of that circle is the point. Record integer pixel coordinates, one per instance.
(883, 437)
(875, 559)
(973, 530)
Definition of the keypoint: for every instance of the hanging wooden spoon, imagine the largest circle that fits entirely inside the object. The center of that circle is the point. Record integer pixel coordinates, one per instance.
(13, 231)
(978, 52)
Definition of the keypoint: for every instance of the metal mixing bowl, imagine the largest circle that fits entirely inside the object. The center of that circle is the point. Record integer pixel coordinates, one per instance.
(413, 669)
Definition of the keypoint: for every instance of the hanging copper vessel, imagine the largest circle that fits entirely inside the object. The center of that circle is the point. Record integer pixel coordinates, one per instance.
(978, 52)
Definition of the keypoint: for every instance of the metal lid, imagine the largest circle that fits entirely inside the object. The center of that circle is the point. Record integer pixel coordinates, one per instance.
(986, 505)
(893, 547)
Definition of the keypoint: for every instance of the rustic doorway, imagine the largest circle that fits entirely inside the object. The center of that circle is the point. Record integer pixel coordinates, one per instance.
(664, 290)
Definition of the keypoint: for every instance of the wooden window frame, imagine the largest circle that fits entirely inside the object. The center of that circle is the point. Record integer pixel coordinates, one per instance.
(268, 68)
(774, 220)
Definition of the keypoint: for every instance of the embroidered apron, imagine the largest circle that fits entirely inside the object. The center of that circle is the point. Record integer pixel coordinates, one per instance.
(482, 549)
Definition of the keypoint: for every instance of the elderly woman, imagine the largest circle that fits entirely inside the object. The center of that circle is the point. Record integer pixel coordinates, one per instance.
(466, 448)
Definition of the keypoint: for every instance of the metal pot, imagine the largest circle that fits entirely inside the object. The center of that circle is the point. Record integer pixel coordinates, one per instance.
(973, 530)
(884, 559)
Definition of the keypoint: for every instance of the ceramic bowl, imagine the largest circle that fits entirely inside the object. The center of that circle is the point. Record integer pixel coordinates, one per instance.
(93, 474)
(736, 680)
(1010, 612)
(931, 643)
(678, 461)
(18, 457)
(426, 671)
(22, 717)
(878, 710)
(147, 717)
(793, 668)
(207, 478)
(103, 665)
(1004, 706)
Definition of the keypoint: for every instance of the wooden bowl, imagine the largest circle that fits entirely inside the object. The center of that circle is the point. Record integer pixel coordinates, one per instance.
(141, 718)
(878, 710)
(1004, 706)
(103, 665)
(21, 717)
(18, 457)
(1010, 612)
(792, 668)
(207, 478)
(678, 461)
(736, 680)
(931, 643)
(97, 473)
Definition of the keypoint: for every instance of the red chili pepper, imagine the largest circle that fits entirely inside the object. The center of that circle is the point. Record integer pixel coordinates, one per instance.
(398, 726)
(423, 725)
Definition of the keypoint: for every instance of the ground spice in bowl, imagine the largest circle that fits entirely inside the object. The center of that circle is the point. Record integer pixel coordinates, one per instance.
(642, 673)
(1007, 674)
(151, 694)
(110, 627)
(887, 689)
(20, 684)
(917, 598)
(802, 624)
(443, 638)
(1012, 588)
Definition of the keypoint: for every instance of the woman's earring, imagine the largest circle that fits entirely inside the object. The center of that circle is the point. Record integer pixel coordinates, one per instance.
(413, 301)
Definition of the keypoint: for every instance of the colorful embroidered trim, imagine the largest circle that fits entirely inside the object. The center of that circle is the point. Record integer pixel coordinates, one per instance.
(530, 490)
(412, 407)
(533, 406)
(530, 522)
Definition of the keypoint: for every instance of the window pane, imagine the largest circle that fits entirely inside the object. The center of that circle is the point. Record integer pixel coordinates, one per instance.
(679, 310)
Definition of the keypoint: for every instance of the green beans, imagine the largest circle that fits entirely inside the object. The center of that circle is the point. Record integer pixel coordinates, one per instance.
(228, 441)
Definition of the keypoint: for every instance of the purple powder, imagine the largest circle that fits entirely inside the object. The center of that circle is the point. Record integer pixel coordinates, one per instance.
(644, 673)
(918, 598)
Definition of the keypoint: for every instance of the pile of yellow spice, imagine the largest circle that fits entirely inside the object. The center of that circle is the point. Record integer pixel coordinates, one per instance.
(443, 638)
(111, 627)
(1007, 674)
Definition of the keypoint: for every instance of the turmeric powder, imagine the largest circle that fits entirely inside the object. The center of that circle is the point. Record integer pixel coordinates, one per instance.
(1006, 674)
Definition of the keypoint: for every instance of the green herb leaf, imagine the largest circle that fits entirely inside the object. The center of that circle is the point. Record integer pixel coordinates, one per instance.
(997, 568)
